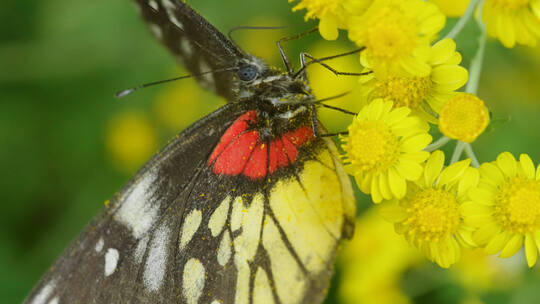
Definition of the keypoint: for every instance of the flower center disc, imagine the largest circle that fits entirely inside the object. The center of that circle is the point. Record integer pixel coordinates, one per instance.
(432, 215)
(404, 91)
(373, 146)
(518, 205)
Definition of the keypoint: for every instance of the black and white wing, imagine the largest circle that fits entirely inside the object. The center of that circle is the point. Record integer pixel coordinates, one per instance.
(128, 250)
(195, 42)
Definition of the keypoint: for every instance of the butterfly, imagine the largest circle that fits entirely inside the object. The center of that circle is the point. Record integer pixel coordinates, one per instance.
(247, 205)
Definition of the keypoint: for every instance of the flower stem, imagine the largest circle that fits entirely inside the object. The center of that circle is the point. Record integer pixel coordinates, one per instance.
(457, 151)
(476, 63)
(437, 144)
(460, 24)
(470, 153)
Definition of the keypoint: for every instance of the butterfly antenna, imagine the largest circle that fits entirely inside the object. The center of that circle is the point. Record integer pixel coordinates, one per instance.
(126, 92)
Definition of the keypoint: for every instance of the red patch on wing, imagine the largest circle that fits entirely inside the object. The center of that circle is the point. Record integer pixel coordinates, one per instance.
(240, 151)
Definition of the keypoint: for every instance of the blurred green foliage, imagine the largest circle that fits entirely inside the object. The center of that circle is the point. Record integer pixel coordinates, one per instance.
(61, 62)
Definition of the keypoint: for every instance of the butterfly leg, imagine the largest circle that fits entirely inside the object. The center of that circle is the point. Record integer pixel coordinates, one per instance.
(284, 57)
(303, 55)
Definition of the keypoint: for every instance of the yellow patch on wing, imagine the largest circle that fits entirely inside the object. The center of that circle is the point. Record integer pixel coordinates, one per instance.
(348, 200)
(246, 243)
(289, 280)
(219, 217)
(236, 215)
(310, 212)
(262, 291)
(242, 281)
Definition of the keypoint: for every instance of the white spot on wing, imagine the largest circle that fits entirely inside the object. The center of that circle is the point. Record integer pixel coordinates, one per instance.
(111, 261)
(191, 224)
(99, 245)
(53, 301)
(170, 8)
(193, 281)
(157, 259)
(208, 78)
(44, 293)
(224, 250)
(185, 46)
(153, 4)
(140, 249)
(218, 218)
(137, 211)
(156, 30)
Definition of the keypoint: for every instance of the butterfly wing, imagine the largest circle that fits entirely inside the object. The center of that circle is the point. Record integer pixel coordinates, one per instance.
(114, 242)
(195, 42)
(217, 217)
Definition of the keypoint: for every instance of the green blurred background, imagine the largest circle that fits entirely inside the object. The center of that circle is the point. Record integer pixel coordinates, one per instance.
(66, 145)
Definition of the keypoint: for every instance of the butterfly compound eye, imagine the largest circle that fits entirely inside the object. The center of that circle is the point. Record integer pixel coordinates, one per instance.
(247, 73)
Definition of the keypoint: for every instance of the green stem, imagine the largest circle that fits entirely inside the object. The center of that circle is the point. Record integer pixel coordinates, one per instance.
(437, 144)
(460, 24)
(476, 63)
(457, 151)
(470, 153)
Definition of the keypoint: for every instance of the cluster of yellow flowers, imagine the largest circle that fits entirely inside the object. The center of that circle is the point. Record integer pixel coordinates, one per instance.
(411, 85)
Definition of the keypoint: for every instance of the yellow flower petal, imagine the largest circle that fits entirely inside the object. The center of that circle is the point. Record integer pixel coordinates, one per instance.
(328, 27)
(506, 31)
(409, 170)
(470, 208)
(452, 77)
(416, 67)
(469, 179)
(507, 164)
(397, 183)
(481, 196)
(513, 246)
(527, 166)
(485, 233)
(384, 187)
(497, 243)
(453, 172)
(531, 251)
(535, 7)
(442, 51)
(434, 166)
(376, 196)
(492, 172)
(417, 142)
(392, 212)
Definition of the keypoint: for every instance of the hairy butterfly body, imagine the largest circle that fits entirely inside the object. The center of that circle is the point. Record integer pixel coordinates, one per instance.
(244, 206)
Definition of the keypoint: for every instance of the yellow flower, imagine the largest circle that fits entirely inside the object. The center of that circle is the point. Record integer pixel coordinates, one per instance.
(452, 8)
(372, 264)
(505, 208)
(513, 21)
(131, 140)
(384, 149)
(330, 13)
(463, 117)
(422, 94)
(396, 34)
(430, 215)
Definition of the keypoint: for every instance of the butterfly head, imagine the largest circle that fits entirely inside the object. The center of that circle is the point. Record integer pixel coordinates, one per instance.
(268, 84)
